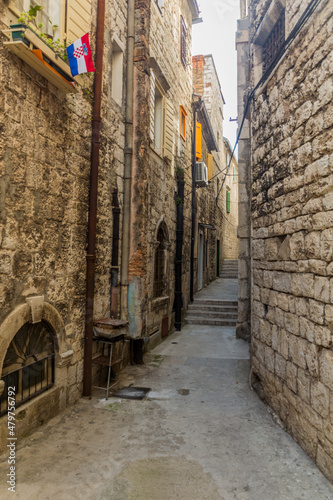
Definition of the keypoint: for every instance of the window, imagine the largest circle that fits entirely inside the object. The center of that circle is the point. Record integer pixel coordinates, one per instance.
(29, 363)
(274, 42)
(160, 261)
(117, 73)
(183, 41)
(161, 120)
(72, 22)
(49, 16)
(228, 202)
(183, 115)
(234, 173)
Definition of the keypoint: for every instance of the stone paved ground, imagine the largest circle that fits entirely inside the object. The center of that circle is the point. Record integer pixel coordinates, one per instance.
(201, 434)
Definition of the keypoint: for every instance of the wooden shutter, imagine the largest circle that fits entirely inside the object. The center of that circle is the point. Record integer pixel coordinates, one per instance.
(78, 19)
(210, 166)
(168, 139)
(228, 202)
(152, 106)
(198, 141)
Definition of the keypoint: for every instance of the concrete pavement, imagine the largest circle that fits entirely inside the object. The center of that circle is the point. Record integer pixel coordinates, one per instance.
(201, 433)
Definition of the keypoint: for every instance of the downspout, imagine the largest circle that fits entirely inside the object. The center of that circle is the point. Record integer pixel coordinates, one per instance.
(194, 199)
(179, 251)
(128, 154)
(92, 222)
(115, 256)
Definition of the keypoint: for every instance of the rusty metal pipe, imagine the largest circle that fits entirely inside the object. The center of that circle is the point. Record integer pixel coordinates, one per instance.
(92, 222)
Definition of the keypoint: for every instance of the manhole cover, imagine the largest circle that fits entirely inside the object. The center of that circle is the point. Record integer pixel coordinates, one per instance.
(131, 393)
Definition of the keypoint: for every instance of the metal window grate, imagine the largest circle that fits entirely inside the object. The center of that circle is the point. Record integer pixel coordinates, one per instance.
(29, 364)
(183, 41)
(274, 42)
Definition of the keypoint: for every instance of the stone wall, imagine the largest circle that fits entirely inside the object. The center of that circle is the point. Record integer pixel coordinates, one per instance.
(157, 51)
(292, 217)
(45, 138)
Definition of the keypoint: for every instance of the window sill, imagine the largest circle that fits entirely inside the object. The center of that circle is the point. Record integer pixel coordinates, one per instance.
(24, 50)
(160, 301)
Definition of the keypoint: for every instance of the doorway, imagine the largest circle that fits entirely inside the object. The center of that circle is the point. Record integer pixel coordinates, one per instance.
(217, 258)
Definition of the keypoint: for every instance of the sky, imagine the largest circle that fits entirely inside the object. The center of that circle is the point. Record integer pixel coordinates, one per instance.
(216, 35)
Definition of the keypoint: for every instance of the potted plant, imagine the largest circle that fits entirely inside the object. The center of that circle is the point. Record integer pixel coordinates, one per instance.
(23, 21)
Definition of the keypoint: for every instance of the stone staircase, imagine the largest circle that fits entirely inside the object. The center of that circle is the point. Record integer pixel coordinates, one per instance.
(229, 269)
(209, 307)
(212, 312)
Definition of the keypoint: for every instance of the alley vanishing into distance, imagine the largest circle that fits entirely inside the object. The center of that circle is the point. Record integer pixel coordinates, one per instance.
(200, 433)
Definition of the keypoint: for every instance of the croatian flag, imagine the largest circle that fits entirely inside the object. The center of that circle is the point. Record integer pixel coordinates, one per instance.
(79, 56)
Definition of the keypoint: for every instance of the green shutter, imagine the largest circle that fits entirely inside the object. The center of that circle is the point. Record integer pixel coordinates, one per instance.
(228, 202)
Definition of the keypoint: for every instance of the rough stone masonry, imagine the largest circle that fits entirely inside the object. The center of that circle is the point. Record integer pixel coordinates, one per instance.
(292, 223)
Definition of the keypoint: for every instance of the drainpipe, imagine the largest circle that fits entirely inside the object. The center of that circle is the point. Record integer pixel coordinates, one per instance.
(194, 198)
(179, 251)
(128, 154)
(92, 222)
(115, 256)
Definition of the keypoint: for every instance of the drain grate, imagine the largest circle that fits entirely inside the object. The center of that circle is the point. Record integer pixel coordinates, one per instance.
(131, 393)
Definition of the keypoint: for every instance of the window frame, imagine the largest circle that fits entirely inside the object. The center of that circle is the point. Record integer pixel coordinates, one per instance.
(23, 344)
(183, 42)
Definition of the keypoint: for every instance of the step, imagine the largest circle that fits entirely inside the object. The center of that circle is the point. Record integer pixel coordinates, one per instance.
(206, 307)
(201, 321)
(215, 302)
(211, 315)
(229, 276)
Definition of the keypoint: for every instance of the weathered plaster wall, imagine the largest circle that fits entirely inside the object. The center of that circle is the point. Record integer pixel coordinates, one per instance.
(292, 193)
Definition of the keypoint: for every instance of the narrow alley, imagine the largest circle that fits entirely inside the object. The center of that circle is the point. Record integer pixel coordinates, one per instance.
(200, 433)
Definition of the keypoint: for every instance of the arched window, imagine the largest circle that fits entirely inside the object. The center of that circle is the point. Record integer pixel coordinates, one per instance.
(29, 363)
(160, 262)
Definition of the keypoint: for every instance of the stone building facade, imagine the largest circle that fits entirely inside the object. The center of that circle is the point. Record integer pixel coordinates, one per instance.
(215, 202)
(45, 168)
(285, 164)
(45, 164)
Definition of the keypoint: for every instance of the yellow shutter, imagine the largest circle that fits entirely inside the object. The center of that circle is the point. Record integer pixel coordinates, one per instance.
(78, 19)
(198, 141)
(168, 139)
(210, 166)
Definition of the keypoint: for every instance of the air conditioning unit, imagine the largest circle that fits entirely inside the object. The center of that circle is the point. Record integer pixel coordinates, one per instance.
(201, 174)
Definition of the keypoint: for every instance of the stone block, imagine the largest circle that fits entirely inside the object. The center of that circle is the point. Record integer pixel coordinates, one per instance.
(297, 246)
(322, 289)
(311, 356)
(320, 395)
(323, 336)
(302, 285)
(324, 462)
(312, 243)
(291, 323)
(269, 359)
(280, 366)
(326, 368)
(316, 311)
(284, 345)
(282, 282)
(297, 351)
(303, 385)
(276, 341)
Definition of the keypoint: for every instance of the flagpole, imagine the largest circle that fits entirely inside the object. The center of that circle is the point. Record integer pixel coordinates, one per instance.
(92, 222)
